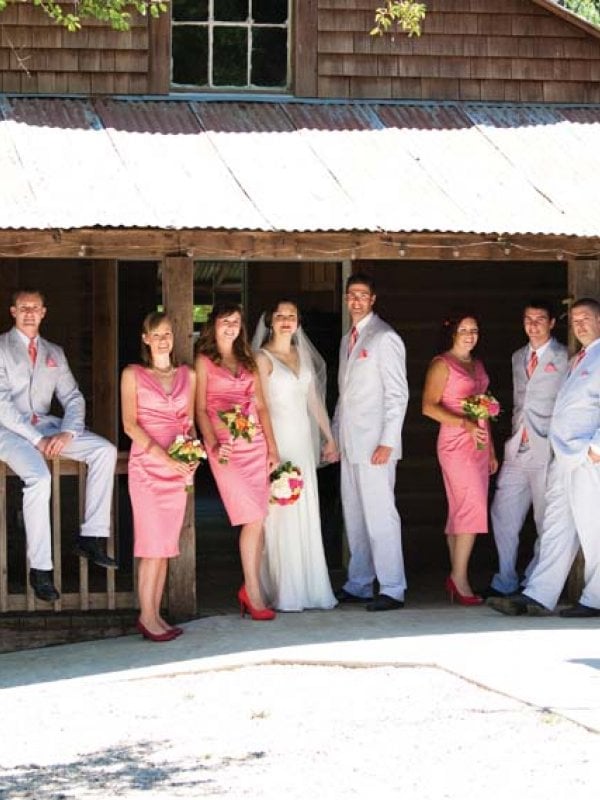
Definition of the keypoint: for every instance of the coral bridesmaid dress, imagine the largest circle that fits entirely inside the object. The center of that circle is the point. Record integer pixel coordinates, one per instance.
(465, 469)
(158, 496)
(243, 482)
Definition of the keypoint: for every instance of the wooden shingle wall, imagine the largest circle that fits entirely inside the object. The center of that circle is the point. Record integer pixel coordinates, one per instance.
(489, 50)
(38, 56)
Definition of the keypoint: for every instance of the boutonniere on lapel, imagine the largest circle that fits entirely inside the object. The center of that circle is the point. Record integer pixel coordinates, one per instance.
(550, 368)
(363, 353)
(50, 362)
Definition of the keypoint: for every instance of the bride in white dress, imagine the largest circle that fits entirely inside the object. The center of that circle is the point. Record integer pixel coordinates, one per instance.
(294, 571)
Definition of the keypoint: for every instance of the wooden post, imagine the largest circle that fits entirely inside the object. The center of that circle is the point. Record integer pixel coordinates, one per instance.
(583, 281)
(178, 298)
(105, 389)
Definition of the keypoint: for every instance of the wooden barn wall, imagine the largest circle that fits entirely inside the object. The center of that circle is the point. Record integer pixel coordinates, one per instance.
(38, 56)
(488, 50)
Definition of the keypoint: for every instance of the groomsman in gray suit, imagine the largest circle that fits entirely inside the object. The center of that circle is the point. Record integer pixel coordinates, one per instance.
(538, 370)
(571, 518)
(32, 372)
(373, 394)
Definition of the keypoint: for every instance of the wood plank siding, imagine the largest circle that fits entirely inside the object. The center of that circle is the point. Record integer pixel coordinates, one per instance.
(40, 57)
(514, 51)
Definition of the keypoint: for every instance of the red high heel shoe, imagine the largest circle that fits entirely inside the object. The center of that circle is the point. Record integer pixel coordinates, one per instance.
(263, 614)
(461, 599)
(167, 636)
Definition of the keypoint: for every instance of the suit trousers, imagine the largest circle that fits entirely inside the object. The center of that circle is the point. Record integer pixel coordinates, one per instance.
(373, 529)
(521, 483)
(571, 519)
(29, 464)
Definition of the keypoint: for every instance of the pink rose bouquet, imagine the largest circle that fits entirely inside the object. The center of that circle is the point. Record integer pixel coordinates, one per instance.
(286, 484)
(481, 407)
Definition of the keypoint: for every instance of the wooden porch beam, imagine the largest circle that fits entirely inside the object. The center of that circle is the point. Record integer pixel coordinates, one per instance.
(221, 245)
(178, 298)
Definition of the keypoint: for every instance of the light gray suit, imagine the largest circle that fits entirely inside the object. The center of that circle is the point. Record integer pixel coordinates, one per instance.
(571, 518)
(373, 395)
(522, 479)
(26, 393)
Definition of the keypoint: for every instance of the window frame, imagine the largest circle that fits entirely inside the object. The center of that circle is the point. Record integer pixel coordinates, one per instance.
(210, 24)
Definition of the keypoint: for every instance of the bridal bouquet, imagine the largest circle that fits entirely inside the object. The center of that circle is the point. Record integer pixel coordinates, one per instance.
(239, 425)
(286, 484)
(188, 450)
(481, 407)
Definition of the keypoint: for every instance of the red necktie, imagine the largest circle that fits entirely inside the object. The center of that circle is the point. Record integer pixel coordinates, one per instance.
(32, 350)
(577, 359)
(353, 338)
(532, 364)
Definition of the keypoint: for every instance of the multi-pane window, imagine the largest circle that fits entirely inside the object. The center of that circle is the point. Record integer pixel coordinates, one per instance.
(241, 44)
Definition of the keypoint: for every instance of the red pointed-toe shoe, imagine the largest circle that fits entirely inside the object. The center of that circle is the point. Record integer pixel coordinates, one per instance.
(461, 599)
(167, 636)
(261, 615)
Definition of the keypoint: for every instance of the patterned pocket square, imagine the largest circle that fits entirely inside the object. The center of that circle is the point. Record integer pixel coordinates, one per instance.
(585, 373)
(50, 362)
(363, 353)
(550, 368)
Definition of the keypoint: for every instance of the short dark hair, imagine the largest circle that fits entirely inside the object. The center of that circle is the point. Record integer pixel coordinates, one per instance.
(26, 290)
(588, 302)
(541, 305)
(360, 277)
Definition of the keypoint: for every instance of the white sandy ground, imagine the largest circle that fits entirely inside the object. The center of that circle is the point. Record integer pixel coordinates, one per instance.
(436, 705)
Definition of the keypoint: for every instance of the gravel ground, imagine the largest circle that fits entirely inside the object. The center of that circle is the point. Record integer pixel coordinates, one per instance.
(289, 732)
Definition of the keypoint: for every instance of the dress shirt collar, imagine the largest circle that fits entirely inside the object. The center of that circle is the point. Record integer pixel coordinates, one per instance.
(25, 339)
(589, 346)
(360, 326)
(540, 351)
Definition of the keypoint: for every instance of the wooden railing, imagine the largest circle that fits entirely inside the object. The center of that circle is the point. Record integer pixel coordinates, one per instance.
(84, 599)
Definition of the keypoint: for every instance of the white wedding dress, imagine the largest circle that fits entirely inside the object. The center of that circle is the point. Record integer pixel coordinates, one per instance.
(294, 571)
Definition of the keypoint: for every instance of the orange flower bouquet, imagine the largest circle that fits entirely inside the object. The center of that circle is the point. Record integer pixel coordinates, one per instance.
(239, 425)
(480, 407)
(188, 450)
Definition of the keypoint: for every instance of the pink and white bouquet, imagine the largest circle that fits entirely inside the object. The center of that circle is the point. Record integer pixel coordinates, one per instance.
(186, 449)
(286, 484)
(481, 407)
(239, 424)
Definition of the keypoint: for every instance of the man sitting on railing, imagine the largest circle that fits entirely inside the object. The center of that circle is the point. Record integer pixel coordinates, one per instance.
(32, 372)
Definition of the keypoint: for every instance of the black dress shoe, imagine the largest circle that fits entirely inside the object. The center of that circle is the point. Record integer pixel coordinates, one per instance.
(42, 585)
(579, 610)
(89, 547)
(383, 602)
(342, 596)
(518, 604)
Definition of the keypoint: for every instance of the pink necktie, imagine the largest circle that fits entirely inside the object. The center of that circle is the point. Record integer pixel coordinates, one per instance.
(32, 350)
(532, 364)
(353, 338)
(577, 359)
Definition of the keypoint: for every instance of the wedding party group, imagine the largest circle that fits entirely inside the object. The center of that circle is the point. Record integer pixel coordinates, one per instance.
(256, 410)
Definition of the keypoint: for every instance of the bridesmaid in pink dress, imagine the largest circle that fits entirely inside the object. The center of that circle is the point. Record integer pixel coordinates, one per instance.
(157, 401)
(227, 376)
(465, 449)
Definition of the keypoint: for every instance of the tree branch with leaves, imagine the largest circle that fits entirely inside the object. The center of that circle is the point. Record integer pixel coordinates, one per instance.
(399, 16)
(116, 13)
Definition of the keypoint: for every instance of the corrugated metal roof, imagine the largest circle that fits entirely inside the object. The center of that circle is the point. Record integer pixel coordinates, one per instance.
(299, 166)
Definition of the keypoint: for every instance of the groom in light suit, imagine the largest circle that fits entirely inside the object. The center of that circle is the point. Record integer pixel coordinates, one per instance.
(538, 370)
(571, 518)
(32, 372)
(373, 395)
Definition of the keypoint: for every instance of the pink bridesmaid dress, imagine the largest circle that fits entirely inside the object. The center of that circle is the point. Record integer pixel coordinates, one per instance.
(158, 496)
(465, 469)
(243, 482)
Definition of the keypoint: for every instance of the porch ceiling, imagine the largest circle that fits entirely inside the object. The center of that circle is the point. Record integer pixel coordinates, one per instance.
(299, 166)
